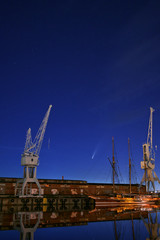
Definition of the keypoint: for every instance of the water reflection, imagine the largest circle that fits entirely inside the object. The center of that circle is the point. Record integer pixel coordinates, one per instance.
(23, 222)
(27, 222)
(152, 226)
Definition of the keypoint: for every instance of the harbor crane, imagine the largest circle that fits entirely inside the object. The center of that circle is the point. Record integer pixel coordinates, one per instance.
(30, 161)
(148, 163)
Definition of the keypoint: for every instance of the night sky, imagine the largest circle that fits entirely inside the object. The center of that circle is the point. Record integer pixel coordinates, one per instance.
(98, 63)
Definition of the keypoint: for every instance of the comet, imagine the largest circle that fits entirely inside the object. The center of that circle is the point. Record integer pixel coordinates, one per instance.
(94, 153)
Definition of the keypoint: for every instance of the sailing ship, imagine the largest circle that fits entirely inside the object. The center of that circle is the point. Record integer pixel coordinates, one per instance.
(117, 198)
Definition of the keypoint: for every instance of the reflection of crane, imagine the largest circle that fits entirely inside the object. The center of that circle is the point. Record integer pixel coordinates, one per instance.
(148, 163)
(153, 227)
(23, 222)
(30, 161)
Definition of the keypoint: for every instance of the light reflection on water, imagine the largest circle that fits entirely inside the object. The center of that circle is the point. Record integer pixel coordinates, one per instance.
(111, 223)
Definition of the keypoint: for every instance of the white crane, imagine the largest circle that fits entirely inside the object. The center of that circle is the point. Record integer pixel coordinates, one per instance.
(148, 163)
(30, 160)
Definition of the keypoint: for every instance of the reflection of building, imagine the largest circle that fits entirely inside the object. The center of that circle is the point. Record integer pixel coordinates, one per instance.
(28, 220)
(52, 217)
(152, 226)
(26, 223)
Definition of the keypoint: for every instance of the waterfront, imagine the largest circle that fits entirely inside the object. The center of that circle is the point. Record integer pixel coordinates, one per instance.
(101, 223)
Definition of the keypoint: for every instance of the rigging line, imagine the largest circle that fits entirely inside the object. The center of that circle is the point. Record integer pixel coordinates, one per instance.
(122, 180)
(121, 231)
(117, 175)
(109, 178)
(133, 164)
(115, 171)
(117, 162)
(136, 176)
(109, 173)
(112, 166)
(134, 173)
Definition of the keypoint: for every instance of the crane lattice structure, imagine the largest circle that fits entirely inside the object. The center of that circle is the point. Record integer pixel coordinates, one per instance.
(30, 161)
(152, 226)
(148, 163)
(22, 221)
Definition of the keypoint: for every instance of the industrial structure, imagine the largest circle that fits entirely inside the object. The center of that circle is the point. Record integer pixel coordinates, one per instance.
(148, 163)
(33, 193)
(30, 161)
(61, 187)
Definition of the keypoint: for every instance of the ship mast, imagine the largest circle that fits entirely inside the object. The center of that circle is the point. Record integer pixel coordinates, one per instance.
(113, 164)
(129, 166)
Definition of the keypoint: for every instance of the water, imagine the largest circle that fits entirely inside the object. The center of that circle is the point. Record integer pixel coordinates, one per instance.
(103, 223)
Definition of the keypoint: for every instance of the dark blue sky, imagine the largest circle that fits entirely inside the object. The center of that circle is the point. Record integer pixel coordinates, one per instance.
(98, 64)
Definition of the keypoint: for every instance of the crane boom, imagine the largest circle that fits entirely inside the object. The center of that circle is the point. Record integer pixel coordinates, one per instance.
(35, 146)
(149, 137)
(40, 134)
(28, 143)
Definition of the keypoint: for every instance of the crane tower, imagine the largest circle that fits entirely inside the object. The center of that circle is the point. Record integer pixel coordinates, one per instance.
(148, 163)
(30, 161)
